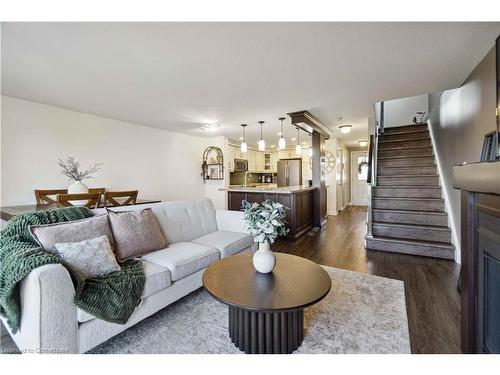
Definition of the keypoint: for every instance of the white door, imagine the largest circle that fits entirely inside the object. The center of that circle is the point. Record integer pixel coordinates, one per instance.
(359, 170)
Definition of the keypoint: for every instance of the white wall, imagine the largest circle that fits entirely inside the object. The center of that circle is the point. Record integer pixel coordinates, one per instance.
(160, 164)
(400, 112)
(458, 122)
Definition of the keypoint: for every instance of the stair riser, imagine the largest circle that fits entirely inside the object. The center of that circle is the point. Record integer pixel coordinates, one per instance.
(404, 128)
(412, 233)
(435, 206)
(422, 250)
(429, 160)
(412, 143)
(394, 137)
(391, 171)
(407, 193)
(408, 181)
(410, 218)
(423, 151)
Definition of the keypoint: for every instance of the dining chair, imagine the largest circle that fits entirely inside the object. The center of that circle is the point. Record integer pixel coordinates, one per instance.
(93, 199)
(44, 196)
(130, 197)
(97, 190)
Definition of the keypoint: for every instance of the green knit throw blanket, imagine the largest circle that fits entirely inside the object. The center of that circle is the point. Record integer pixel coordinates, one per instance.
(112, 297)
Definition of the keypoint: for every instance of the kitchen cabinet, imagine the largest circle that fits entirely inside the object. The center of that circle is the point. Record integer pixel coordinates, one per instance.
(299, 207)
(230, 158)
(252, 157)
(259, 161)
(274, 162)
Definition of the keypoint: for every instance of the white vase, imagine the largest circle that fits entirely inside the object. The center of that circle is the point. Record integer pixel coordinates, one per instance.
(264, 259)
(78, 187)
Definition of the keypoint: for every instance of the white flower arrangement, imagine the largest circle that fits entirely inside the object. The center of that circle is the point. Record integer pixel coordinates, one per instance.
(265, 221)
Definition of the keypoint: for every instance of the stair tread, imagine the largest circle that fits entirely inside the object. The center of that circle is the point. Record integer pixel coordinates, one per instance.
(405, 132)
(403, 148)
(404, 140)
(406, 187)
(410, 226)
(405, 156)
(410, 199)
(408, 175)
(406, 166)
(440, 213)
(446, 245)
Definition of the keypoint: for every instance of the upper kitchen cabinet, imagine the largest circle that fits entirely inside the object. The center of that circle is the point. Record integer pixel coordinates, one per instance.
(271, 162)
(259, 161)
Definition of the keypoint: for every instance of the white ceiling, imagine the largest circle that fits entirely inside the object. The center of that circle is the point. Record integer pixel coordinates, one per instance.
(179, 76)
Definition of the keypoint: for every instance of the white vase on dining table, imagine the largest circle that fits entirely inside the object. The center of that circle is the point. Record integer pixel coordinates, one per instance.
(78, 187)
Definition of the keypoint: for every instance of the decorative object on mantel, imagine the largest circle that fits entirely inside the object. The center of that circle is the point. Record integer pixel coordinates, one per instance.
(265, 222)
(71, 169)
(212, 167)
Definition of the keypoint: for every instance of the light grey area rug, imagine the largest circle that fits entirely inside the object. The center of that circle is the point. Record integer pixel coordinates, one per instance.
(361, 314)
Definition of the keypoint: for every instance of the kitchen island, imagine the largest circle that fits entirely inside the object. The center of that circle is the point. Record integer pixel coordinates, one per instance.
(298, 201)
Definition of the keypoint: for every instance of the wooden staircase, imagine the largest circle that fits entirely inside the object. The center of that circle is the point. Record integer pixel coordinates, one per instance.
(408, 213)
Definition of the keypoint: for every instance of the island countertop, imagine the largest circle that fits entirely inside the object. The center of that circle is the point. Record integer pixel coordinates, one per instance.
(269, 190)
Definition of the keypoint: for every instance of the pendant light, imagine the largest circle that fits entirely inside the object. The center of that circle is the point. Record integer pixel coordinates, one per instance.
(282, 141)
(298, 149)
(261, 143)
(310, 147)
(244, 146)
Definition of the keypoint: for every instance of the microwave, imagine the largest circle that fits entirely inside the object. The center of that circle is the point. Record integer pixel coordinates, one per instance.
(240, 165)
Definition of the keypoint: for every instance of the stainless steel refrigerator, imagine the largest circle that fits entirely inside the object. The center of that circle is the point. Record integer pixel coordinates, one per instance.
(289, 172)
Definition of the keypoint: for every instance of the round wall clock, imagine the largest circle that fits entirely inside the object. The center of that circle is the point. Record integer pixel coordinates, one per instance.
(328, 162)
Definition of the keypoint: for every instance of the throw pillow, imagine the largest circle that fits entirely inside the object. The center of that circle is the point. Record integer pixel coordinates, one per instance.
(136, 233)
(91, 258)
(71, 231)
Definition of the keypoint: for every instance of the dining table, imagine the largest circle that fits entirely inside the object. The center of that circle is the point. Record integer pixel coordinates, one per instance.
(8, 212)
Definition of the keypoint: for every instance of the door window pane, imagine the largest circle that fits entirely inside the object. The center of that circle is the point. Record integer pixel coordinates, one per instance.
(362, 168)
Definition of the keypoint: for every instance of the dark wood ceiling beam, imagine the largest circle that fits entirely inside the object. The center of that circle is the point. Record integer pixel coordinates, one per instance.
(309, 123)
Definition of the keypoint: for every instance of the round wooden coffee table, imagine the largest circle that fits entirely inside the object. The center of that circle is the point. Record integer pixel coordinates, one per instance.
(266, 311)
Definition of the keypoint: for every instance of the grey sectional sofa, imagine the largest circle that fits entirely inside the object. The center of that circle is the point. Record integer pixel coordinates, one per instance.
(198, 235)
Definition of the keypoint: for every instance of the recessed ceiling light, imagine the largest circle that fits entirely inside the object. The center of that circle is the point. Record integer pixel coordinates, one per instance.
(209, 128)
(344, 129)
(294, 139)
(363, 143)
(273, 146)
(241, 138)
(279, 133)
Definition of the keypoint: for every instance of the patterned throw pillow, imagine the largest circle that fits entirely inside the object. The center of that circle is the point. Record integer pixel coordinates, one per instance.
(136, 233)
(71, 231)
(91, 258)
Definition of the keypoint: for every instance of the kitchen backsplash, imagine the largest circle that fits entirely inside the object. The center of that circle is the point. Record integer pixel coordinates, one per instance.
(238, 178)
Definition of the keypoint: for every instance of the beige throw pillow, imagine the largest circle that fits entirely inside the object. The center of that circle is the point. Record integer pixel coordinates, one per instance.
(71, 231)
(91, 258)
(136, 233)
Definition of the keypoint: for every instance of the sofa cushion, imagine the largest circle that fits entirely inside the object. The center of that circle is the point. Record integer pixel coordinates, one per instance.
(136, 233)
(180, 221)
(228, 243)
(183, 258)
(157, 278)
(48, 235)
(90, 258)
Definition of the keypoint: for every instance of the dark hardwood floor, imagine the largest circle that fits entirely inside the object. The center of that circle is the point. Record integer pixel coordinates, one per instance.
(432, 299)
